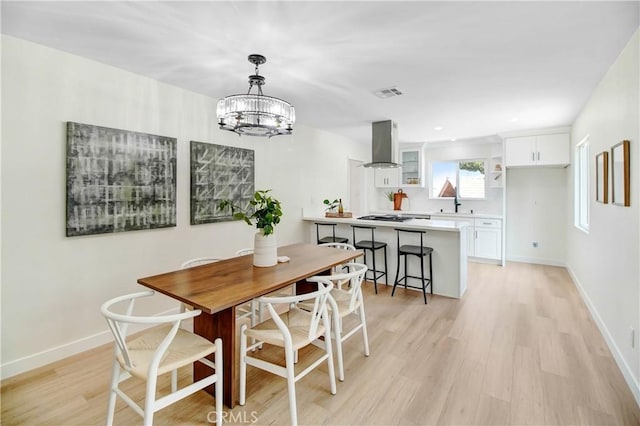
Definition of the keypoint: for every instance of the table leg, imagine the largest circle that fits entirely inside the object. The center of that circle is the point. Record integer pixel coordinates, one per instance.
(304, 286)
(211, 326)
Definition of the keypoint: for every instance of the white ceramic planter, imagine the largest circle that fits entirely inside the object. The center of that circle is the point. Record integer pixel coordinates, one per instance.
(265, 250)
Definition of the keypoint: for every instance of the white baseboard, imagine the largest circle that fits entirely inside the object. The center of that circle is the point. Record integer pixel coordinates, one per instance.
(523, 259)
(57, 353)
(483, 260)
(617, 355)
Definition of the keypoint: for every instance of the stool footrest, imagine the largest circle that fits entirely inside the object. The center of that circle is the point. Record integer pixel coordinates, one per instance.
(375, 274)
(427, 282)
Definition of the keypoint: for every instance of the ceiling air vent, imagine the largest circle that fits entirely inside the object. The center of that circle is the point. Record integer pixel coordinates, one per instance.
(388, 92)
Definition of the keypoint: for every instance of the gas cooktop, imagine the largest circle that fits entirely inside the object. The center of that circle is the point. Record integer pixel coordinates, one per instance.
(386, 217)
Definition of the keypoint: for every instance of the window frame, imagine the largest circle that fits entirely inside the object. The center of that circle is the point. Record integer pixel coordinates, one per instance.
(581, 186)
(457, 162)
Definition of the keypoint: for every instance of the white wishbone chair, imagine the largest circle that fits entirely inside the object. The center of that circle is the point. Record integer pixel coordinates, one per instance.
(346, 299)
(154, 352)
(291, 330)
(343, 246)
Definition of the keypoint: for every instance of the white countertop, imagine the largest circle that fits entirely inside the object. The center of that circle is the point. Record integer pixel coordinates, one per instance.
(427, 224)
(461, 215)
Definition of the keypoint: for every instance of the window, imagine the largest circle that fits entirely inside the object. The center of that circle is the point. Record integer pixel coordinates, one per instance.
(467, 177)
(581, 186)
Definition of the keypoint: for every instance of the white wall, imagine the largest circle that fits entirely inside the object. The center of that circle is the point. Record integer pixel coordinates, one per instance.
(52, 286)
(418, 198)
(536, 210)
(604, 262)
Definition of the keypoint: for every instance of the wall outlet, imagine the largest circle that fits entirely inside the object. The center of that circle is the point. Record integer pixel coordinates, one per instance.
(632, 337)
(534, 244)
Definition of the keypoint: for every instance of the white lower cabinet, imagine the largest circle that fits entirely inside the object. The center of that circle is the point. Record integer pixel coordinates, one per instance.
(488, 238)
(471, 243)
(469, 229)
(484, 236)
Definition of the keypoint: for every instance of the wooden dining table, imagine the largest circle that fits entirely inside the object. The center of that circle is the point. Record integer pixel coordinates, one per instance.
(219, 288)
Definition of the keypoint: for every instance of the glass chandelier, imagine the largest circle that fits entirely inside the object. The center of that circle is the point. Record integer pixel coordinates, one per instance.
(256, 114)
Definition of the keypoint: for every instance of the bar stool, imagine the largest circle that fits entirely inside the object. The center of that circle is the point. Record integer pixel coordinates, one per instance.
(421, 251)
(372, 245)
(331, 238)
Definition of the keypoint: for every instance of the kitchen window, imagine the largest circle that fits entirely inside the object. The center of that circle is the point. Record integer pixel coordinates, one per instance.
(465, 176)
(581, 186)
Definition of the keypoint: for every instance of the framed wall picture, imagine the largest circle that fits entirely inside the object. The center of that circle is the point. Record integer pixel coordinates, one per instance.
(602, 177)
(620, 174)
(119, 180)
(220, 172)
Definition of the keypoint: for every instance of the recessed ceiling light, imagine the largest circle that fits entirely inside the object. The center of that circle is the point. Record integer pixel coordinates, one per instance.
(438, 128)
(514, 119)
(453, 140)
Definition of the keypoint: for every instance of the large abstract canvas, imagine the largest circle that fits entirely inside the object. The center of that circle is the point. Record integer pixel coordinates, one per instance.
(118, 180)
(219, 172)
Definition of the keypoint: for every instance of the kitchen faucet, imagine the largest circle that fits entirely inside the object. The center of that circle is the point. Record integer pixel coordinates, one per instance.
(455, 199)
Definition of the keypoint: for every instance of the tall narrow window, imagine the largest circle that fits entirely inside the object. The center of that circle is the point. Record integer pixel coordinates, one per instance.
(581, 185)
(465, 177)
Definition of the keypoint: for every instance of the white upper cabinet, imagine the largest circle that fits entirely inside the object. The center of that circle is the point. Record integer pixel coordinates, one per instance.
(541, 150)
(412, 167)
(387, 178)
(520, 151)
(553, 150)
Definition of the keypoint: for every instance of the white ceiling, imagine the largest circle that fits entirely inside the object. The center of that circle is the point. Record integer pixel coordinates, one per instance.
(474, 68)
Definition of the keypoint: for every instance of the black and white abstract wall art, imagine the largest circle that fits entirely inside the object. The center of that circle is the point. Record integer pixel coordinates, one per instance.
(219, 172)
(119, 180)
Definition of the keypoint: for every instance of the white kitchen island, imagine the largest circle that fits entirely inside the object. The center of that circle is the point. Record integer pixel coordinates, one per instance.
(447, 238)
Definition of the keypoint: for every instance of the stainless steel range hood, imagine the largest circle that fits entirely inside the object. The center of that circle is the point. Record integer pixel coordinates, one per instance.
(384, 145)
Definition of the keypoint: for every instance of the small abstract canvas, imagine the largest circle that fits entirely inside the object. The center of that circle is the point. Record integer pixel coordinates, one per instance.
(219, 172)
(118, 180)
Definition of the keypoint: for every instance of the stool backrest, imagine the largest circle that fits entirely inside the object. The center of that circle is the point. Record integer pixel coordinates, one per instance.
(410, 231)
(371, 228)
(333, 229)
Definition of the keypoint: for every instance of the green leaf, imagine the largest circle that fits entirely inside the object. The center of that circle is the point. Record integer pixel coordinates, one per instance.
(265, 212)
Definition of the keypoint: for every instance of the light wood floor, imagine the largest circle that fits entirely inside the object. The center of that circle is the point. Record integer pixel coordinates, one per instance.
(519, 348)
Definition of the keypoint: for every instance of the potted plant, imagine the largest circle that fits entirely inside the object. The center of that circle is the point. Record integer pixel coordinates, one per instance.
(265, 216)
(331, 205)
(389, 196)
(331, 209)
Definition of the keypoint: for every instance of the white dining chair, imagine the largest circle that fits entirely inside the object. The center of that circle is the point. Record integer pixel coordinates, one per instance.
(343, 246)
(345, 300)
(256, 308)
(154, 352)
(244, 251)
(198, 261)
(248, 310)
(291, 330)
(251, 310)
(192, 263)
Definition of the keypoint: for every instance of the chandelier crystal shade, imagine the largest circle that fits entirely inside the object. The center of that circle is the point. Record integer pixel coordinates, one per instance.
(256, 114)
